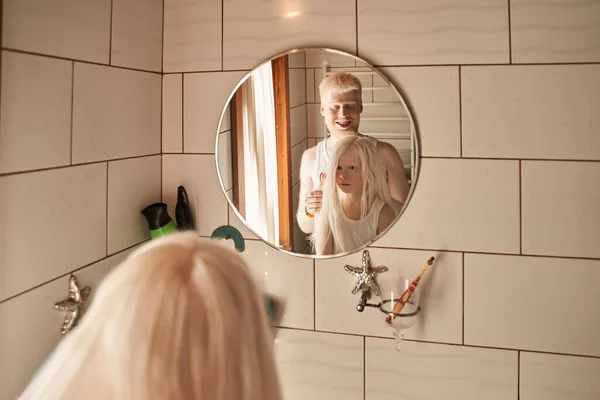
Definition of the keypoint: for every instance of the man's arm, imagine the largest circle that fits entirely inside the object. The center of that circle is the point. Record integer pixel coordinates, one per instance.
(386, 217)
(306, 223)
(396, 177)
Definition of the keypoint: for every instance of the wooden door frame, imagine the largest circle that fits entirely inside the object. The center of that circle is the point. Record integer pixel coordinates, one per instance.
(280, 68)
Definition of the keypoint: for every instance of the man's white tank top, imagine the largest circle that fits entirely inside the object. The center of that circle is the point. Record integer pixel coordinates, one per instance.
(321, 164)
(357, 233)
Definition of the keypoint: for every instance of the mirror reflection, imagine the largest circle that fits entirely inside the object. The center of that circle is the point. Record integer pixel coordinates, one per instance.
(317, 152)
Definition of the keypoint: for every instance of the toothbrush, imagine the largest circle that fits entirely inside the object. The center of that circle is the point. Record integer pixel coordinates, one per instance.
(407, 293)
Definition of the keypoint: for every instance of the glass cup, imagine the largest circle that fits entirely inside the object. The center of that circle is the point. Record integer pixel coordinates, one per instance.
(400, 316)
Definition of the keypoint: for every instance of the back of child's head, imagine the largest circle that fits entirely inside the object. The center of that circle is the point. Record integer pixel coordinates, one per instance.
(341, 83)
(180, 318)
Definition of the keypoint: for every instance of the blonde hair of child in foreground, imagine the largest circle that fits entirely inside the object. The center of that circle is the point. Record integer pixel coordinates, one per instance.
(181, 318)
(328, 235)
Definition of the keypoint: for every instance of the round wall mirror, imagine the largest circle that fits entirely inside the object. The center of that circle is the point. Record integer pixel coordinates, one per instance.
(317, 152)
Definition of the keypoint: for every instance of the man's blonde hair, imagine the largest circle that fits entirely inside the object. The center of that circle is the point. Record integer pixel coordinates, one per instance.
(341, 82)
(181, 318)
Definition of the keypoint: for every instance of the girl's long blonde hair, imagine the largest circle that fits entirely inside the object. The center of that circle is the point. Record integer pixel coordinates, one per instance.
(181, 318)
(327, 221)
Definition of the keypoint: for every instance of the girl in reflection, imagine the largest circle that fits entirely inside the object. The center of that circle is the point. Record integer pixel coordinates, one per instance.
(357, 205)
(181, 318)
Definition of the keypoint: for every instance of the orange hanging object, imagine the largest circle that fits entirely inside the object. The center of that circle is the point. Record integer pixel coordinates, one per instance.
(407, 293)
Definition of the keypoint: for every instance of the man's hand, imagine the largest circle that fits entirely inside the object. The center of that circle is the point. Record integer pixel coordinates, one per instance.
(313, 201)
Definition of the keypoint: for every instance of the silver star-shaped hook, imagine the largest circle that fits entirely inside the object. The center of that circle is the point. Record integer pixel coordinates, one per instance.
(74, 306)
(366, 275)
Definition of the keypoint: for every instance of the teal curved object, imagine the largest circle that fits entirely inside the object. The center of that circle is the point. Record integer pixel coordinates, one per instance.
(229, 232)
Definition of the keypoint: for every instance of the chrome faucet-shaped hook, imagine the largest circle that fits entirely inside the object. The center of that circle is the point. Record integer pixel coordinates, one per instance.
(366, 282)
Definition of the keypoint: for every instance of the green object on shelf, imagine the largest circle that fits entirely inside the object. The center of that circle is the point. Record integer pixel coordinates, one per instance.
(229, 232)
(156, 233)
(159, 221)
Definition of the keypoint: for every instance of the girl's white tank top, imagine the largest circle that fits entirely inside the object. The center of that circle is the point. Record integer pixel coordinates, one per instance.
(357, 233)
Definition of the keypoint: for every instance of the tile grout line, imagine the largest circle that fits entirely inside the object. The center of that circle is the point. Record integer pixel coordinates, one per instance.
(519, 375)
(509, 35)
(364, 368)
(31, 171)
(463, 298)
(510, 159)
(356, 21)
(32, 53)
(222, 32)
(162, 45)
(460, 116)
(107, 198)
(472, 346)
(484, 253)
(70, 272)
(72, 108)
(314, 294)
(112, 11)
(520, 208)
(182, 114)
(248, 70)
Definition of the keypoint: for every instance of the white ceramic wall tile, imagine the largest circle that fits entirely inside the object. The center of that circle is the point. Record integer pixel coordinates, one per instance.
(297, 152)
(297, 59)
(315, 123)
(531, 111)
(554, 377)
(36, 112)
(440, 297)
(561, 220)
(457, 204)
(137, 34)
(551, 31)
(133, 185)
(532, 303)
(62, 213)
(76, 29)
(432, 371)
(255, 30)
(297, 87)
(318, 79)
(23, 318)
(314, 365)
(197, 173)
(310, 85)
(433, 95)
(116, 113)
(298, 125)
(192, 35)
(276, 270)
(172, 113)
(204, 96)
(319, 58)
(434, 32)
(225, 159)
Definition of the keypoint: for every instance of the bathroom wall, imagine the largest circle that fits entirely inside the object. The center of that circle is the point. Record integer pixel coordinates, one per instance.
(80, 156)
(505, 95)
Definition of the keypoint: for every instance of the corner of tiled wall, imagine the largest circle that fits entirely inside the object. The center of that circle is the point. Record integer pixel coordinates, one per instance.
(80, 156)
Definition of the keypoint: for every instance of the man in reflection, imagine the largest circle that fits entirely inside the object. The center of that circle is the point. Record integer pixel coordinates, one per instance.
(341, 106)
